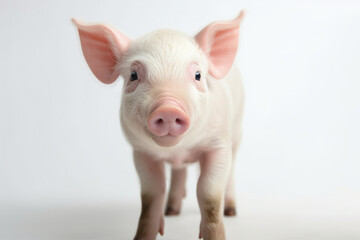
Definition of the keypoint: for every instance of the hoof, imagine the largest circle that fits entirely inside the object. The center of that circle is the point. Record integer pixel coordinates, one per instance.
(171, 211)
(230, 211)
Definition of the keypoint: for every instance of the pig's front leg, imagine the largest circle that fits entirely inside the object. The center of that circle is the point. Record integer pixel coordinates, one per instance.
(210, 192)
(152, 179)
(230, 208)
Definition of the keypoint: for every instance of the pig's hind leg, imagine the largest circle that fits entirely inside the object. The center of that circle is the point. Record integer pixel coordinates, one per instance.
(177, 191)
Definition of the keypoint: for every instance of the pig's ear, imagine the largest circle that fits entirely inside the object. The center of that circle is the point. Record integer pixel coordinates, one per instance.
(103, 47)
(219, 41)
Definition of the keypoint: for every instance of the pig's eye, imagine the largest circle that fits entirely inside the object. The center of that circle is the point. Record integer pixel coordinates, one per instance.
(197, 76)
(133, 76)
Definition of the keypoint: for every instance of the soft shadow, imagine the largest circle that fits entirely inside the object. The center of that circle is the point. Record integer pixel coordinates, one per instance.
(255, 221)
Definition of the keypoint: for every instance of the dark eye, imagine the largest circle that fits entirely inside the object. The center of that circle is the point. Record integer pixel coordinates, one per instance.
(133, 76)
(197, 76)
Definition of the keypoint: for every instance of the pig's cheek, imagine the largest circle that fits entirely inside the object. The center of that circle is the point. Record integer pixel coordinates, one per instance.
(131, 86)
(131, 125)
(200, 85)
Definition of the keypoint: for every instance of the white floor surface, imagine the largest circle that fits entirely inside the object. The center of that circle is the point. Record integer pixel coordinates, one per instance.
(259, 218)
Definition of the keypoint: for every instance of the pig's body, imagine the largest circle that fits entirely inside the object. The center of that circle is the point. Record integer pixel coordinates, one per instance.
(182, 102)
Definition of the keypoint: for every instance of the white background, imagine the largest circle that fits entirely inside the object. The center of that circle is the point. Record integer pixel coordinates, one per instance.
(61, 146)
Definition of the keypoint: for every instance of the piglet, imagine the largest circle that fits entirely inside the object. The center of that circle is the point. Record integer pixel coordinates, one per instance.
(182, 102)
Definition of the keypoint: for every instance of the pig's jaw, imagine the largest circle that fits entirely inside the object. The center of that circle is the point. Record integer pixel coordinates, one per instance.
(167, 140)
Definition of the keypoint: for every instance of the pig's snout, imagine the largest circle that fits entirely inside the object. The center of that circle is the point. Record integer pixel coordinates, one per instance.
(168, 119)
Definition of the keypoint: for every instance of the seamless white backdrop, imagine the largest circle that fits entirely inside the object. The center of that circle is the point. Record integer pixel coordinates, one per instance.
(60, 138)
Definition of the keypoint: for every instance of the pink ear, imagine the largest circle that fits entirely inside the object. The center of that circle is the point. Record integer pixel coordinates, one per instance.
(219, 41)
(102, 47)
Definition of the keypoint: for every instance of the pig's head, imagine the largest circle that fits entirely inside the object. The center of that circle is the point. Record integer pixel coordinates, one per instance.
(165, 102)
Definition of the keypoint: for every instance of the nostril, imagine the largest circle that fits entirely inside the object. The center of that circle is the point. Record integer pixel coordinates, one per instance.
(168, 120)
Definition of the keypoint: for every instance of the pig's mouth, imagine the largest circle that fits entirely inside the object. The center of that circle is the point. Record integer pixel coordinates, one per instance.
(167, 140)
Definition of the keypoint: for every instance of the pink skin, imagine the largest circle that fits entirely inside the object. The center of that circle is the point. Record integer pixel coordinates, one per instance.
(167, 122)
(141, 71)
(106, 51)
(96, 41)
(192, 69)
